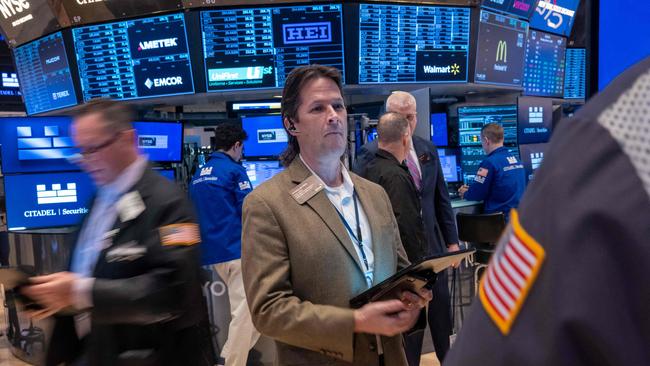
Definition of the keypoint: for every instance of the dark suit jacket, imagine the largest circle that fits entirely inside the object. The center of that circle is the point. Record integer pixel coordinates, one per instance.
(150, 301)
(436, 205)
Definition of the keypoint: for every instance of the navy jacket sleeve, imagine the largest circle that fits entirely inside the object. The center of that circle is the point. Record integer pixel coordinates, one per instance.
(242, 187)
(480, 188)
(364, 156)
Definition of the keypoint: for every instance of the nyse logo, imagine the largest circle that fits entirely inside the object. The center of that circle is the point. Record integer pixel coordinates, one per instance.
(307, 32)
(158, 43)
(161, 82)
(9, 8)
(84, 2)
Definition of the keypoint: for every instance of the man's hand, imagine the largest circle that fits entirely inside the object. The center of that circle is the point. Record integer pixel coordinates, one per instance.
(462, 190)
(54, 292)
(391, 317)
(454, 248)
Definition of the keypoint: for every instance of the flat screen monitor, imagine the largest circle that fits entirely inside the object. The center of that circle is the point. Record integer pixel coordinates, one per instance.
(575, 73)
(47, 200)
(253, 48)
(372, 134)
(470, 160)
(260, 171)
(36, 144)
(140, 58)
(555, 16)
(25, 20)
(160, 141)
(471, 119)
(266, 136)
(9, 85)
(408, 43)
(89, 11)
(439, 134)
(544, 69)
(500, 50)
(450, 162)
(532, 156)
(535, 119)
(255, 107)
(44, 74)
(167, 173)
(520, 8)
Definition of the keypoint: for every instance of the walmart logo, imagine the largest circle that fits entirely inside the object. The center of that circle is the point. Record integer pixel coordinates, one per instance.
(455, 69)
(449, 69)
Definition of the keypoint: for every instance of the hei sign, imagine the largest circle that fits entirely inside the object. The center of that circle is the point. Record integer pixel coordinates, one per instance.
(307, 33)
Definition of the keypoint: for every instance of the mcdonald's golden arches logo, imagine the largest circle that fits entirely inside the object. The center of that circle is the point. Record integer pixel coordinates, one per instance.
(502, 51)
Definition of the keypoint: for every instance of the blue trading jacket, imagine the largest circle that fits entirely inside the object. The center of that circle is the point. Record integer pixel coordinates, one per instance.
(500, 182)
(218, 190)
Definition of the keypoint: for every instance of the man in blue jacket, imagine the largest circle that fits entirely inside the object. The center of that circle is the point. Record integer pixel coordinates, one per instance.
(501, 179)
(218, 190)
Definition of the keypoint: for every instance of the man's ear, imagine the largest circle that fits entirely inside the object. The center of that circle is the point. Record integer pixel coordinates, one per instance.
(290, 126)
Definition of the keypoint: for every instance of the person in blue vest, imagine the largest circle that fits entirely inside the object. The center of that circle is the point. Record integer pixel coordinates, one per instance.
(218, 189)
(501, 179)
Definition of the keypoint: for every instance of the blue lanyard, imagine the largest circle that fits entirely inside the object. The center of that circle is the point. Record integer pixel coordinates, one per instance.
(357, 238)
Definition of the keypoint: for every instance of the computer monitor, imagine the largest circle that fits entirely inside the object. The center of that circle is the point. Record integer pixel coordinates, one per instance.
(413, 43)
(555, 16)
(470, 160)
(500, 50)
(36, 144)
(260, 171)
(47, 200)
(372, 134)
(167, 173)
(133, 59)
(575, 74)
(250, 48)
(472, 118)
(450, 162)
(439, 133)
(520, 8)
(160, 141)
(535, 117)
(267, 137)
(44, 74)
(544, 70)
(532, 156)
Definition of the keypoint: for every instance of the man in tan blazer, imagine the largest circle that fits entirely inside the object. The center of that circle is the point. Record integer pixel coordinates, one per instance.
(314, 236)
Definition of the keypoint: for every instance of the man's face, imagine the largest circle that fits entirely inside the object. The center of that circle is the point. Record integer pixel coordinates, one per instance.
(321, 126)
(410, 112)
(102, 151)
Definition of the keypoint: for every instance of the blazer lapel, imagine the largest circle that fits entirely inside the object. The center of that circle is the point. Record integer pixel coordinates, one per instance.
(324, 208)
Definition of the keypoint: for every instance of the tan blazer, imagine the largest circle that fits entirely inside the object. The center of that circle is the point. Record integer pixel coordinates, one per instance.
(300, 270)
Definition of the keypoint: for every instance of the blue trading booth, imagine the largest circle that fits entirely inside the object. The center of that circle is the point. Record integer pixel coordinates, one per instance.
(190, 65)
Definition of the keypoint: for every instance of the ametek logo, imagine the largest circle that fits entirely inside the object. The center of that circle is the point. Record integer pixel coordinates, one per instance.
(449, 69)
(160, 82)
(158, 43)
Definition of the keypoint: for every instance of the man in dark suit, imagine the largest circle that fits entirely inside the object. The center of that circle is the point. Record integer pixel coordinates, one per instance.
(132, 295)
(424, 166)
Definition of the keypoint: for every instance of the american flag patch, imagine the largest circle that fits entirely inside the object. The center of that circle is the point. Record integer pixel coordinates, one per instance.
(482, 172)
(510, 275)
(180, 234)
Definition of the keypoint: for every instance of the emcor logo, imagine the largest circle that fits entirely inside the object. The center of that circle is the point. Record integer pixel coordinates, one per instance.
(307, 32)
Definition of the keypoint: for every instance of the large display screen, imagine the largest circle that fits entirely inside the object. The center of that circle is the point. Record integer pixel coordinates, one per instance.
(160, 141)
(406, 43)
(535, 119)
(472, 119)
(49, 200)
(260, 171)
(89, 11)
(575, 73)
(44, 74)
(26, 20)
(266, 136)
(439, 133)
(500, 49)
(471, 158)
(450, 163)
(36, 144)
(258, 47)
(520, 8)
(134, 59)
(544, 70)
(532, 156)
(555, 16)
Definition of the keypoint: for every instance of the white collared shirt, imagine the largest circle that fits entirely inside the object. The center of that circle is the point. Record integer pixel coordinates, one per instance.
(341, 198)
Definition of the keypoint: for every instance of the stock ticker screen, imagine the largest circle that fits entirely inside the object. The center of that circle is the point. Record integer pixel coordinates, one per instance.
(500, 50)
(555, 16)
(471, 158)
(520, 8)
(44, 74)
(258, 47)
(575, 73)
(406, 43)
(544, 69)
(132, 59)
(472, 119)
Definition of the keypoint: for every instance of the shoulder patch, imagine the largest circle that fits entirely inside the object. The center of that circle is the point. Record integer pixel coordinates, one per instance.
(483, 172)
(510, 275)
(180, 234)
(244, 185)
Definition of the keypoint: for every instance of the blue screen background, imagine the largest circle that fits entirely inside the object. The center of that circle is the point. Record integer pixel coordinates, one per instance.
(155, 132)
(255, 127)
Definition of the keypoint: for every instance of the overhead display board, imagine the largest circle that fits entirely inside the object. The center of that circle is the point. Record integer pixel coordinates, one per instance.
(520, 8)
(406, 43)
(133, 59)
(94, 11)
(555, 16)
(257, 47)
(544, 64)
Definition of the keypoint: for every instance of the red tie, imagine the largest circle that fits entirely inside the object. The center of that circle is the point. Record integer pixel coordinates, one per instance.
(413, 169)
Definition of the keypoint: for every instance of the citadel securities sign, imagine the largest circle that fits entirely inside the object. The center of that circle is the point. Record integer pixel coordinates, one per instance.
(26, 20)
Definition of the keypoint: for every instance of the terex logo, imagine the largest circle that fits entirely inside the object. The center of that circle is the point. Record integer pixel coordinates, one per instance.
(168, 81)
(307, 32)
(9, 8)
(158, 43)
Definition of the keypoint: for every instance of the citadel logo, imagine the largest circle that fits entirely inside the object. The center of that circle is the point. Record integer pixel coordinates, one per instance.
(158, 43)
